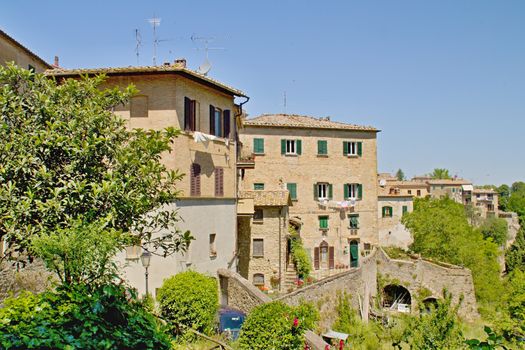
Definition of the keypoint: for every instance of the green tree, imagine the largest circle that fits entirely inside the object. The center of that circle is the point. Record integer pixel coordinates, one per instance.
(518, 187)
(504, 194)
(515, 254)
(64, 156)
(440, 173)
(496, 229)
(515, 304)
(300, 256)
(400, 175)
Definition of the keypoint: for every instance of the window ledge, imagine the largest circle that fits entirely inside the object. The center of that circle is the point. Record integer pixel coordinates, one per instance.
(258, 221)
(352, 156)
(258, 154)
(258, 256)
(322, 155)
(290, 155)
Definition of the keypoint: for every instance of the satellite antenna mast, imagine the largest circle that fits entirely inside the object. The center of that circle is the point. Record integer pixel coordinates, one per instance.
(138, 39)
(155, 22)
(206, 66)
(284, 101)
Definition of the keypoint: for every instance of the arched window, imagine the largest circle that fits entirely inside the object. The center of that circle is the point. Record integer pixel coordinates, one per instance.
(258, 279)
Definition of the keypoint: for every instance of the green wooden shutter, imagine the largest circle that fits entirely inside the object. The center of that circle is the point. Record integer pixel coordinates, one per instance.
(359, 149)
(359, 191)
(283, 146)
(330, 192)
(258, 146)
(315, 192)
(405, 209)
(322, 147)
(298, 145)
(292, 188)
(347, 194)
(345, 148)
(383, 210)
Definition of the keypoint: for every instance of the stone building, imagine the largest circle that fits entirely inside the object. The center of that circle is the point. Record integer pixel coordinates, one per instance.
(204, 109)
(330, 170)
(390, 209)
(12, 51)
(453, 188)
(486, 202)
(416, 189)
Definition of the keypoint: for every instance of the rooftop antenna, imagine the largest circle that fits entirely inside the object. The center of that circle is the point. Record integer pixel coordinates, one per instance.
(138, 39)
(205, 67)
(155, 22)
(284, 101)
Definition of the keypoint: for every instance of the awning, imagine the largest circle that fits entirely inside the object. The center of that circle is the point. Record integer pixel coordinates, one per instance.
(245, 207)
(467, 187)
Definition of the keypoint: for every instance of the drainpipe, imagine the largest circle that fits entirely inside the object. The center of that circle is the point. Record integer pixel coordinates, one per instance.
(280, 250)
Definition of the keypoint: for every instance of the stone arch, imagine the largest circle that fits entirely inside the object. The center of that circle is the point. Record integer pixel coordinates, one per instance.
(396, 297)
(428, 303)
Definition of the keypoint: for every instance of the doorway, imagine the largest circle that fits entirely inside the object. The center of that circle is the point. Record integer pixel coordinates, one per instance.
(354, 253)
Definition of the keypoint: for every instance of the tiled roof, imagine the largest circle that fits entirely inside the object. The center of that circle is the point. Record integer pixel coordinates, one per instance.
(29, 52)
(265, 198)
(163, 69)
(302, 121)
(406, 184)
(484, 190)
(449, 182)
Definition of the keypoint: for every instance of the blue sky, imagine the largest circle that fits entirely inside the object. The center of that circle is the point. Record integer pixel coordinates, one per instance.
(443, 79)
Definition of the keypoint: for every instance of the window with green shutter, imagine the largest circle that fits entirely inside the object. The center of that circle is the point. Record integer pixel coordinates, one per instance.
(387, 212)
(292, 188)
(405, 209)
(351, 191)
(258, 146)
(323, 222)
(291, 147)
(258, 186)
(352, 148)
(322, 147)
(353, 221)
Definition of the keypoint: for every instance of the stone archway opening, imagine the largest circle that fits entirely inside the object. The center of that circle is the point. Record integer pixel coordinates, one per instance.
(429, 304)
(396, 298)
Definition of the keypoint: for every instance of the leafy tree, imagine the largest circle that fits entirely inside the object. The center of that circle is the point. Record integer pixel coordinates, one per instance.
(504, 194)
(440, 173)
(515, 304)
(496, 229)
(189, 299)
(64, 156)
(518, 187)
(492, 342)
(400, 175)
(515, 254)
(300, 256)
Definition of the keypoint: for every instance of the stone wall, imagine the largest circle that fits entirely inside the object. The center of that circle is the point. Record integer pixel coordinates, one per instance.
(239, 293)
(33, 277)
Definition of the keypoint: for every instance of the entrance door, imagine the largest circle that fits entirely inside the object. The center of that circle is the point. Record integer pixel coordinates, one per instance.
(354, 254)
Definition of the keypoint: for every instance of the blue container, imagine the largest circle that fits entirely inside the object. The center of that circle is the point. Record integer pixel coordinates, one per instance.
(230, 321)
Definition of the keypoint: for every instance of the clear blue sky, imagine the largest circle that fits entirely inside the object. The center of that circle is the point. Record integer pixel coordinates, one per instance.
(443, 79)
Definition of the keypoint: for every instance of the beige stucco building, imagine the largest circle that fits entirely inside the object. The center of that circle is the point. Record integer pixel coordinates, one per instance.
(12, 51)
(330, 170)
(393, 203)
(486, 202)
(204, 109)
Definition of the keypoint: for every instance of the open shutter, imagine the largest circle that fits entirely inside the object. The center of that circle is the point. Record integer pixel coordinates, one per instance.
(359, 191)
(315, 192)
(195, 180)
(330, 191)
(212, 120)
(187, 114)
(219, 182)
(345, 186)
(383, 212)
(298, 144)
(283, 146)
(316, 258)
(359, 149)
(345, 148)
(331, 257)
(226, 123)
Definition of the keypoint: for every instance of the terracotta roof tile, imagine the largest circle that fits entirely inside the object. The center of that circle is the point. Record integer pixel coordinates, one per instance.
(449, 182)
(172, 68)
(264, 198)
(302, 121)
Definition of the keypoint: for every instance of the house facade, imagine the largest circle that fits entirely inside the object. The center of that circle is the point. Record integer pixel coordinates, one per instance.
(204, 109)
(13, 51)
(486, 202)
(392, 204)
(330, 170)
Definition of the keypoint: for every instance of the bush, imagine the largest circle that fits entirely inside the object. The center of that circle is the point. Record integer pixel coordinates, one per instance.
(300, 256)
(79, 317)
(189, 299)
(276, 326)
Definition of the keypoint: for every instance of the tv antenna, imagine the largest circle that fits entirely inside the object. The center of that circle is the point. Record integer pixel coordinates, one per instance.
(205, 67)
(138, 39)
(284, 101)
(155, 22)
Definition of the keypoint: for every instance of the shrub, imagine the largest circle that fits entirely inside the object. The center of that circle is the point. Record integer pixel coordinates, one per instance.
(300, 256)
(276, 326)
(79, 317)
(189, 299)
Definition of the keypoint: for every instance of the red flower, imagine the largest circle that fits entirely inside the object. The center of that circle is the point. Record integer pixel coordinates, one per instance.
(295, 322)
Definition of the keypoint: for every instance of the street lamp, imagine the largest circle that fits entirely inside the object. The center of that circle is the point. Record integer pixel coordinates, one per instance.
(145, 258)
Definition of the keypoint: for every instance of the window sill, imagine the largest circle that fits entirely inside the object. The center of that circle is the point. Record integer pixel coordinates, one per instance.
(322, 155)
(352, 156)
(258, 221)
(291, 155)
(258, 256)
(258, 154)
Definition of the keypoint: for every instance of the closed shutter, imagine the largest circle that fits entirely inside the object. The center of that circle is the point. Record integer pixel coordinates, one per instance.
(405, 209)
(359, 191)
(212, 120)
(345, 148)
(359, 149)
(292, 188)
(331, 257)
(330, 191)
(315, 192)
(346, 189)
(258, 247)
(226, 123)
(258, 146)
(195, 180)
(187, 114)
(298, 145)
(283, 146)
(322, 147)
(316, 258)
(219, 182)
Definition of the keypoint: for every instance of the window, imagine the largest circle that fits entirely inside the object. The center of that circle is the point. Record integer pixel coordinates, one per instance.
(323, 222)
(291, 147)
(258, 279)
(258, 215)
(405, 209)
(322, 147)
(419, 192)
(323, 191)
(258, 186)
(219, 122)
(258, 247)
(219, 182)
(353, 191)
(31, 68)
(213, 248)
(292, 188)
(409, 191)
(352, 148)
(139, 107)
(490, 197)
(258, 146)
(133, 252)
(387, 212)
(195, 180)
(190, 114)
(353, 221)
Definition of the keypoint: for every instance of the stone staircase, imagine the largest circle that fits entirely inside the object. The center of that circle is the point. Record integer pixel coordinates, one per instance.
(289, 278)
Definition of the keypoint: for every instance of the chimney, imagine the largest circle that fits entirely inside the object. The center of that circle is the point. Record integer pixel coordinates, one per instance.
(56, 65)
(180, 62)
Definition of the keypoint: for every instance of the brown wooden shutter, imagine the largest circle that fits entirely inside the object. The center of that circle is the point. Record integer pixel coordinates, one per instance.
(195, 180)
(212, 120)
(226, 123)
(331, 257)
(316, 258)
(187, 113)
(219, 182)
